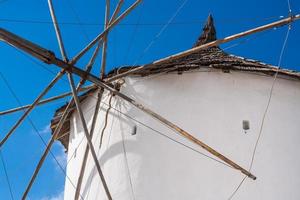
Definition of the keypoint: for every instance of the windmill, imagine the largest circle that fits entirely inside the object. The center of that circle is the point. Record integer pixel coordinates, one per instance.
(112, 84)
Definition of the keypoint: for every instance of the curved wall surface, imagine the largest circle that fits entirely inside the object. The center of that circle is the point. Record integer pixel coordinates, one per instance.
(143, 159)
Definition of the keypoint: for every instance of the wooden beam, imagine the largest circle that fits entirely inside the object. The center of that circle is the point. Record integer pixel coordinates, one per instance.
(49, 57)
(104, 51)
(96, 111)
(101, 35)
(282, 22)
(87, 149)
(57, 31)
(88, 136)
(31, 107)
(47, 150)
(51, 99)
(51, 141)
(116, 11)
(27, 46)
(182, 132)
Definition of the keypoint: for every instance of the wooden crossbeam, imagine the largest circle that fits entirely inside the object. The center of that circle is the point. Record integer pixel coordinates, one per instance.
(182, 54)
(101, 84)
(279, 23)
(87, 135)
(48, 100)
(57, 31)
(101, 35)
(182, 132)
(31, 107)
(49, 57)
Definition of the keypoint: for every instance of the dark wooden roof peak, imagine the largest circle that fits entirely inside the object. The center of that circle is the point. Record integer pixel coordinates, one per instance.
(209, 33)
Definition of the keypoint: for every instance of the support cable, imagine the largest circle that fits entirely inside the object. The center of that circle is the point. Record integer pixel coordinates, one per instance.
(166, 136)
(71, 23)
(133, 36)
(87, 135)
(78, 20)
(36, 129)
(161, 31)
(6, 175)
(126, 160)
(266, 110)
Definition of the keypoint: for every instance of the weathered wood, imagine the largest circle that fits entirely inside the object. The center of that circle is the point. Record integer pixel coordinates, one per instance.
(100, 94)
(207, 45)
(88, 136)
(86, 152)
(101, 35)
(51, 141)
(54, 98)
(182, 132)
(104, 51)
(57, 31)
(27, 46)
(49, 57)
(31, 107)
(116, 11)
(46, 151)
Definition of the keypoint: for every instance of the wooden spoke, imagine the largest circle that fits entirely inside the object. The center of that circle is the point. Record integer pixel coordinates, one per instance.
(101, 35)
(31, 107)
(57, 31)
(88, 136)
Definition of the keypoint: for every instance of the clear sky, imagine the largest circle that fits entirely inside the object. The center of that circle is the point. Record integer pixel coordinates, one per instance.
(129, 43)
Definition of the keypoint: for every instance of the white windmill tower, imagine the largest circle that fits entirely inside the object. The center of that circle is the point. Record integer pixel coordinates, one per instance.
(121, 149)
(208, 93)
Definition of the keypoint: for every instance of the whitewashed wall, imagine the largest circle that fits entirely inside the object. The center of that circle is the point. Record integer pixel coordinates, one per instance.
(210, 105)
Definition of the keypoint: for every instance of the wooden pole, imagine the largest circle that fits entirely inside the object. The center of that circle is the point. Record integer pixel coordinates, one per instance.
(86, 152)
(54, 98)
(50, 143)
(182, 132)
(27, 46)
(31, 107)
(57, 31)
(117, 10)
(104, 51)
(46, 151)
(99, 97)
(101, 35)
(205, 46)
(49, 57)
(87, 135)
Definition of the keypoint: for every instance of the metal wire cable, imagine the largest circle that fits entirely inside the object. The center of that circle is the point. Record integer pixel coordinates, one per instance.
(164, 135)
(289, 6)
(266, 111)
(35, 128)
(29, 21)
(229, 47)
(35, 62)
(78, 20)
(6, 175)
(126, 161)
(243, 41)
(134, 33)
(53, 72)
(270, 96)
(161, 31)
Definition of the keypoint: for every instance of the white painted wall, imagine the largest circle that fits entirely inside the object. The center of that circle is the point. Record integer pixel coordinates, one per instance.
(210, 105)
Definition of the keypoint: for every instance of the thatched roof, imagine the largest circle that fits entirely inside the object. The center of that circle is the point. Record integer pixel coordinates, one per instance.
(213, 57)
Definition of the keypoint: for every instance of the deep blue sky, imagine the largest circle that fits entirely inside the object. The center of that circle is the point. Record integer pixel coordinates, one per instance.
(127, 42)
